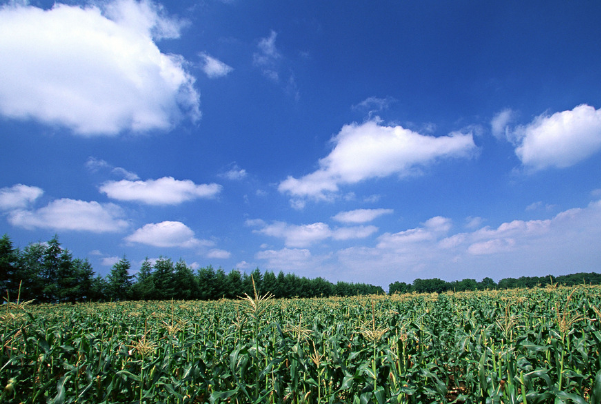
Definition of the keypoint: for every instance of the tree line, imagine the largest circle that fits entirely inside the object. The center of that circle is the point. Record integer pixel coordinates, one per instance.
(523, 282)
(48, 273)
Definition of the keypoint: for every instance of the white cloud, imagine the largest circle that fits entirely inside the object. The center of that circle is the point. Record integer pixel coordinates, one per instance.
(361, 215)
(560, 140)
(287, 259)
(235, 173)
(308, 234)
(93, 164)
(473, 222)
(371, 150)
(69, 214)
(110, 261)
(267, 57)
(94, 70)
(167, 234)
(163, 191)
(500, 122)
(214, 68)
(18, 196)
(218, 254)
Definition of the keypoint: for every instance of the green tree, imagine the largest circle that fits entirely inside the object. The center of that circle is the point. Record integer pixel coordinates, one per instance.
(30, 268)
(206, 282)
(8, 267)
(163, 279)
(270, 283)
(50, 270)
(234, 284)
(66, 278)
(85, 278)
(120, 281)
(144, 288)
(221, 285)
(185, 283)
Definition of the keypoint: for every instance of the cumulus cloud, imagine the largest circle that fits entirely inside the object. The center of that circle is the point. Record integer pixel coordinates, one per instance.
(18, 196)
(69, 214)
(361, 215)
(560, 140)
(163, 191)
(306, 235)
(370, 150)
(214, 68)
(167, 234)
(96, 69)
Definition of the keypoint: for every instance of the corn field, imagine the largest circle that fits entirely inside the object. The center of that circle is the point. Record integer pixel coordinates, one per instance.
(514, 346)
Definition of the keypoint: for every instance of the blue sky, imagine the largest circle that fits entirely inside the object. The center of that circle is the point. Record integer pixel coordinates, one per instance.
(366, 141)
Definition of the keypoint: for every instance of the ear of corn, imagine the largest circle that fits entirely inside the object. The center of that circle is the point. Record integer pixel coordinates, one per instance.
(539, 345)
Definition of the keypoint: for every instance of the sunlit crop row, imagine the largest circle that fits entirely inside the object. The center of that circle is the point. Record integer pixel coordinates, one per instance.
(528, 346)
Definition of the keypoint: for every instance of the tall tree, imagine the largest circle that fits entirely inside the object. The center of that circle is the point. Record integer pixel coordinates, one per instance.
(206, 283)
(8, 267)
(67, 288)
(50, 270)
(144, 288)
(234, 283)
(163, 279)
(185, 284)
(85, 279)
(120, 281)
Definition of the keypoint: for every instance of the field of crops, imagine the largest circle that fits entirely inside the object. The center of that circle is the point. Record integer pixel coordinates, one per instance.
(529, 346)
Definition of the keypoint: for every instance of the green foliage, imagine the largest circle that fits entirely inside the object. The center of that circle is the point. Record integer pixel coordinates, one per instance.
(537, 345)
(120, 281)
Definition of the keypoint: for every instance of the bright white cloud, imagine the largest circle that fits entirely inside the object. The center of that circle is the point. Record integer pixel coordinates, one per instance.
(370, 150)
(167, 234)
(306, 235)
(214, 68)
(18, 196)
(163, 191)
(361, 215)
(94, 69)
(69, 214)
(560, 140)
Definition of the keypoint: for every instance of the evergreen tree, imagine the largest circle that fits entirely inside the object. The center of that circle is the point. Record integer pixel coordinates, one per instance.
(234, 284)
(163, 279)
(66, 278)
(85, 278)
(270, 283)
(280, 288)
(120, 281)
(184, 282)
(8, 268)
(206, 283)
(30, 268)
(98, 289)
(50, 271)
(221, 287)
(144, 288)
